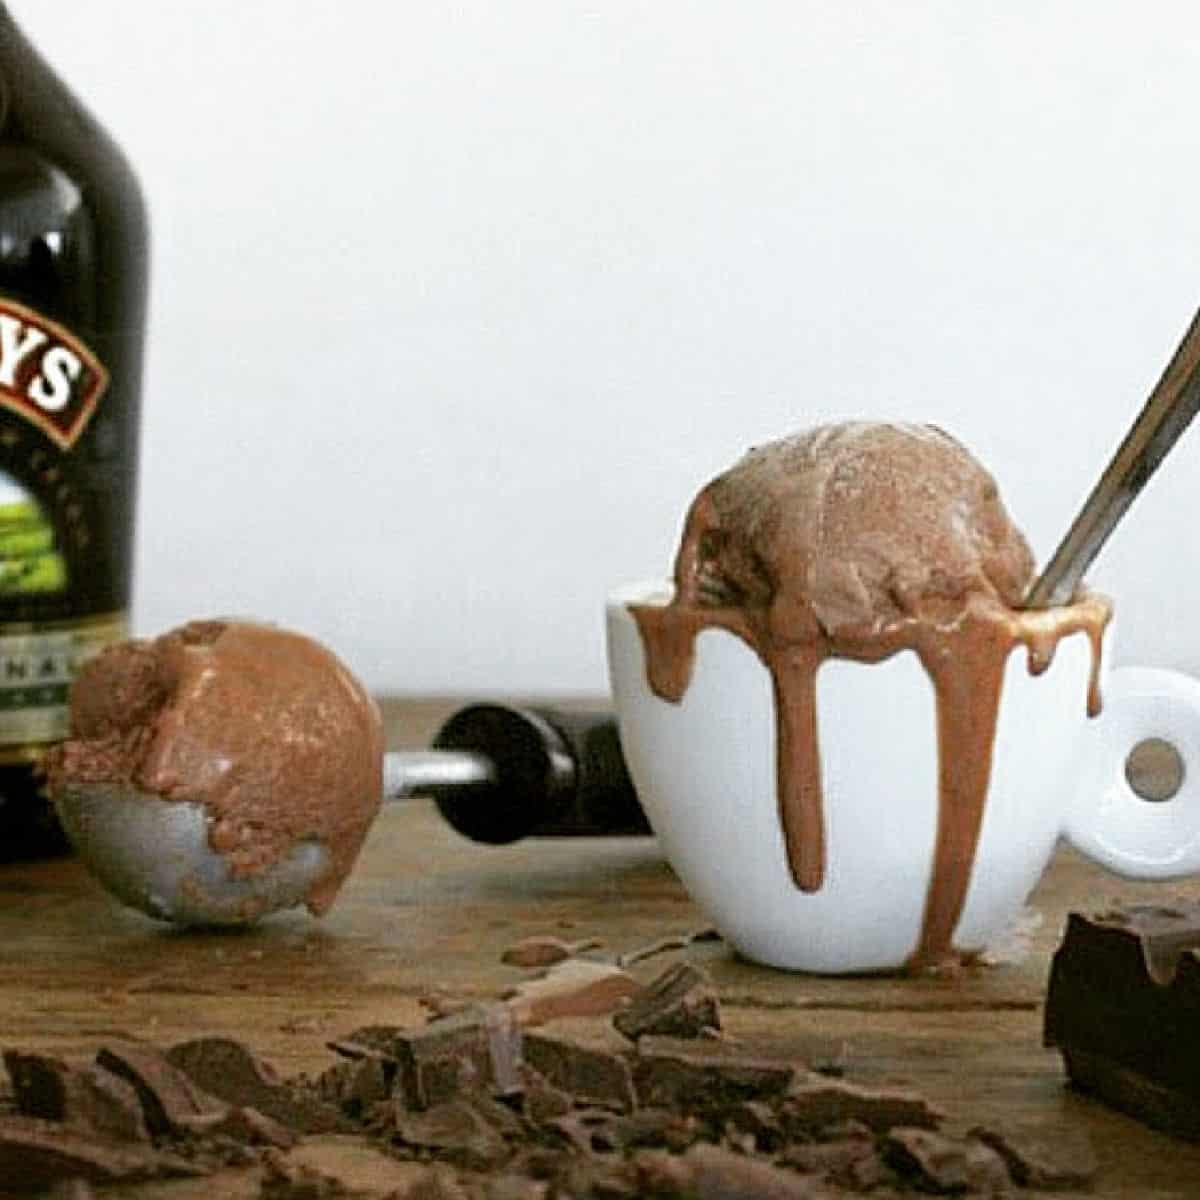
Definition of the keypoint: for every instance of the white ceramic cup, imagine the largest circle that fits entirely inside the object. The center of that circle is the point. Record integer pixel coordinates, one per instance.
(704, 770)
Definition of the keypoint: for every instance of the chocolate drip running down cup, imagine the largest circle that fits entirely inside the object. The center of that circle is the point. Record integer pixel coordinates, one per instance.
(858, 541)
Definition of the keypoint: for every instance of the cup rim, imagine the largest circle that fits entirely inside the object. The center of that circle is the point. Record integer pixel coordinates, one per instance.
(658, 592)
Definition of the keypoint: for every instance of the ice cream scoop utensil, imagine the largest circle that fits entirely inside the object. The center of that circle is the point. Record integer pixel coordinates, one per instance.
(498, 774)
(555, 773)
(154, 855)
(1167, 413)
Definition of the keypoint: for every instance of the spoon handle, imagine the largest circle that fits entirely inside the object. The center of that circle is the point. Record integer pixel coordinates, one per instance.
(1167, 413)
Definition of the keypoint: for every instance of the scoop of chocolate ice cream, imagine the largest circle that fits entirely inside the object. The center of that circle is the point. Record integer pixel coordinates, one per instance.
(852, 528)
(264, 727)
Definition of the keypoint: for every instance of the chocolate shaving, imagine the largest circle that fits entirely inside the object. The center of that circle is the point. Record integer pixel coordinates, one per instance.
(681, 1002)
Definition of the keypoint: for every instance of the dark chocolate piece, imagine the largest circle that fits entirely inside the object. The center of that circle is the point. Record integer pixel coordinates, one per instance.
(226, 1069)
(704, 1076)
(468, 1133)
(758, 1120)
(681, 1002)
(590, 1076)
(84, 1096)
(369, 1083)
(815, 1102)
(369, 1039)
(246, 1127)
(709, 1172)
(946, 1165)
(590, 1130)
(1052, 1159)
(37, 1154)
(660, 1127)
(479, 1048)
(170, 1101)
(1123, 1008)
(540, 1100)
(851, 1160)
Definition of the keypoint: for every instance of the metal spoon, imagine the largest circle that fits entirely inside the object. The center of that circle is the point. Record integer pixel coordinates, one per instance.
(1167, 413)
(497, 773)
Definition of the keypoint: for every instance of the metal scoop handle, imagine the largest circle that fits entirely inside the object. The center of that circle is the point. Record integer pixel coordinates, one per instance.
(1167, 413)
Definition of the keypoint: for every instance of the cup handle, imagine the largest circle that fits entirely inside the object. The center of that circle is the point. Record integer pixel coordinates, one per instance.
(1106, 819)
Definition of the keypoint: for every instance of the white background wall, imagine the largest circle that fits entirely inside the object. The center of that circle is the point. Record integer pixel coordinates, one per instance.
(456, 305)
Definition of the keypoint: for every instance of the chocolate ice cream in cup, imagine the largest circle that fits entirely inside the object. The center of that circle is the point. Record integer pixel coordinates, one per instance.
(857, 747)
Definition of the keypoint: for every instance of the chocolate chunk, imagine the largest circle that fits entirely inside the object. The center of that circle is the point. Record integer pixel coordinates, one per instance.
(590, 1076)
(756, 1119)
(540, 1100)
(590, 1130)
(170, 1101)
(1058, 1159)
(245, 1126)
(369, 1083)
(368, 1039)
(35, 1154)
(704, 1076)
(660, 1127)
(226, 1069)
(479, 1048)
(815, 1102)
(711, 1173)
(946, 1165)
(850, 1161)
(354, 1086)
(681, 1002)
(464, 1132)
(1122, 1005)
(84, 1096)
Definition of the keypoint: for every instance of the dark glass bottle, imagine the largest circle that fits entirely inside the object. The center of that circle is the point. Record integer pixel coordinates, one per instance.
(73, 266)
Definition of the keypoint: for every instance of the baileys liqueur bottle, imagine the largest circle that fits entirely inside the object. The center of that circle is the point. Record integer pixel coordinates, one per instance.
(73, 260)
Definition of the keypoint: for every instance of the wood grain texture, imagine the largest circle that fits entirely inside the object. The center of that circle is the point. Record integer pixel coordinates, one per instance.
(429, 912)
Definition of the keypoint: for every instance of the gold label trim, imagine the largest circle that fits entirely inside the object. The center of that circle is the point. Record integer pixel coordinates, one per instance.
(56, 383)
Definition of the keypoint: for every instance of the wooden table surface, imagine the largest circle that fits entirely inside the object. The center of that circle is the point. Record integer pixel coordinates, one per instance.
(429, 912)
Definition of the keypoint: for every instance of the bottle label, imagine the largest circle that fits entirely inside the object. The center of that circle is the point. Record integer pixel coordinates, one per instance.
(47, 375)
(37, 664)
